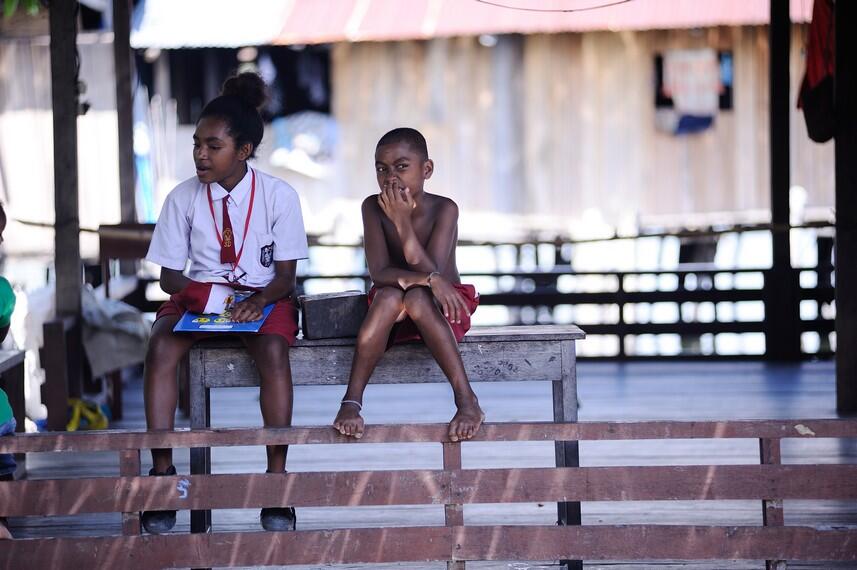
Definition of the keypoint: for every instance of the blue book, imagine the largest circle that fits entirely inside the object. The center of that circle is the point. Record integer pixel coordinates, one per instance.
(221, 322)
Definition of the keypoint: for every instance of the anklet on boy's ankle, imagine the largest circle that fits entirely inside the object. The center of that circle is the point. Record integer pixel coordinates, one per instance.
(355, 402)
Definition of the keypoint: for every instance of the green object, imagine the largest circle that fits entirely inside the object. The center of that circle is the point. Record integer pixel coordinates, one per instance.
(7, 305)
(5, 408)
(7, 302)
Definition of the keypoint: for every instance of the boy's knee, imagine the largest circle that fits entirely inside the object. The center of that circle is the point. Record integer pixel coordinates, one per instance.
(417, 301)
(389, 297)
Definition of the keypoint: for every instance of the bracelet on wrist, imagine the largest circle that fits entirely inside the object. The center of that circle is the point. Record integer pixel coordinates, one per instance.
(432, 274)
(355, 402)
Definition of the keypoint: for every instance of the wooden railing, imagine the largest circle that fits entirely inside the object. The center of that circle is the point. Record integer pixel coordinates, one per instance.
(769, 482)
(536, 297)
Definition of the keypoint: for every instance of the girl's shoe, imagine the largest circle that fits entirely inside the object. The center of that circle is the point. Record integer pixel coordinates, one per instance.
(277, 519)
(159, 522)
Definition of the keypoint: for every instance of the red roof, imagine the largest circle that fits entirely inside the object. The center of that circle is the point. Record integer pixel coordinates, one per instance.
(324, 21)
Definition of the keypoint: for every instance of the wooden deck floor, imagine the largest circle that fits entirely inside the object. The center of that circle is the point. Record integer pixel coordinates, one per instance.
(620, 392)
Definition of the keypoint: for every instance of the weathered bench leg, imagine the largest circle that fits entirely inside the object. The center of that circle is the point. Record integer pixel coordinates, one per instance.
(200, 417)
(772, 510)
(129, 466)
(453, 514)
(567, 452)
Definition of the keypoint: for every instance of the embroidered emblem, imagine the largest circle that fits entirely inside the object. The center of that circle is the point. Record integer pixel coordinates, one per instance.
(227, 237)
(266, 256)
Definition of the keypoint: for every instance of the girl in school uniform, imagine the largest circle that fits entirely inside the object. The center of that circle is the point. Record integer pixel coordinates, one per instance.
(233, 225)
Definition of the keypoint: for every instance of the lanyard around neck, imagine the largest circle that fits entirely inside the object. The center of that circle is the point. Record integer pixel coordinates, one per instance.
(246, 221)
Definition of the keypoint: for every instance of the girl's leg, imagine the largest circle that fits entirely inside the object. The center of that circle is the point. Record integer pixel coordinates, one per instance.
(271, 353)
(166, 350)
(387, 308)
(437, 334)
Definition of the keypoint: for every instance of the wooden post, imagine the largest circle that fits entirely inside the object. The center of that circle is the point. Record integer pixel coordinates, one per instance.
(772, 510)
(200, 417)
(129, 466)
(846, 208)
(567, 452)
(124, 108)
(782, 335)
(453, 514)
(63, 26)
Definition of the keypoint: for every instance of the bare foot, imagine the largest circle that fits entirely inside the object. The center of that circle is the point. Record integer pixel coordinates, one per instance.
(466, 421)
(4, 530)
(349, 421)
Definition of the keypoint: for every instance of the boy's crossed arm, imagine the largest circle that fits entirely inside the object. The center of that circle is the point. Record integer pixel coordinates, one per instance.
(426, 266)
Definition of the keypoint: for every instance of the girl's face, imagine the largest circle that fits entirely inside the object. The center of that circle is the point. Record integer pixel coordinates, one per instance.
(215, 154)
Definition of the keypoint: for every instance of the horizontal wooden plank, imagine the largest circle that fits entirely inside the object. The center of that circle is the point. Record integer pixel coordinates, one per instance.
(353, 546)
(654, 542)
(655, 483)
(116, 440)
(373, 488)
(250, 490)
(516, 333)
(485, 361)
(433, 544)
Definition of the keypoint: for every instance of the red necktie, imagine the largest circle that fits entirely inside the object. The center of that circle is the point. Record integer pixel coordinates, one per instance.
(227, 246)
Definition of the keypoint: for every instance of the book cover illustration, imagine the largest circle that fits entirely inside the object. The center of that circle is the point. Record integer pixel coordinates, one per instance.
(218, 312)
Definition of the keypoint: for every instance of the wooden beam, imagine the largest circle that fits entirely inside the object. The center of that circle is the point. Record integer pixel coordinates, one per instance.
(124, 108)
(782, 339)
(846, 208)
(63, 26)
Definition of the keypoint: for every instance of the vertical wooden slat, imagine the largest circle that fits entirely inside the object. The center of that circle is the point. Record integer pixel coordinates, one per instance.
(64, 103)
(200, 417)
(567, 452)
(453, 514)
(129, 466)
(772, 509)
(55, 389)
(846, 207)
(124, 108)
(782, 334)
(12, 382)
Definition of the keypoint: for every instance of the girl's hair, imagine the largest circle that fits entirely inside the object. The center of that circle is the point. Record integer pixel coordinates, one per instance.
(238, 104)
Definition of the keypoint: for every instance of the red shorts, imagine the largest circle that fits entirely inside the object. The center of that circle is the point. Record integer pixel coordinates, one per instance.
(407, 331)
(282, 321)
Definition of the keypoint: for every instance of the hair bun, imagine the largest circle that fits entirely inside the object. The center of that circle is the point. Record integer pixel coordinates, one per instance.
(248, 87)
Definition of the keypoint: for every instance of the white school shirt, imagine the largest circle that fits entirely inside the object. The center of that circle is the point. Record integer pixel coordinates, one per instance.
(186, 230)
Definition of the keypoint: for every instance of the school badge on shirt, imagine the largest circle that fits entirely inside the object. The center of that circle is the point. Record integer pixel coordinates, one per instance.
(266, 255)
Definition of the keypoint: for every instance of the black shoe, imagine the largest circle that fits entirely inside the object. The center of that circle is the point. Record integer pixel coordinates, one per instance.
(159, 522)
(278, 519)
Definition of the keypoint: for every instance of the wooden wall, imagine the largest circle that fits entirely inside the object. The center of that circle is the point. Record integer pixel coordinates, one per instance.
(572, 127)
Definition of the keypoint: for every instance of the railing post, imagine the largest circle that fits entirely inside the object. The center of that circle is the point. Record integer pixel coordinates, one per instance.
(772, 509)
(129, 466)
(200, 417)
(567, 452)
(453, 514)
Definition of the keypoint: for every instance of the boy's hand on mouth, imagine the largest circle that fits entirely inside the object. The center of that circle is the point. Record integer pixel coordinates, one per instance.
(396, 203)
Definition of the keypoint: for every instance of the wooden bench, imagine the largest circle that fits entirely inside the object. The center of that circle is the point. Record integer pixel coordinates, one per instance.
(12, 382)
(500, 354)
(769, 483)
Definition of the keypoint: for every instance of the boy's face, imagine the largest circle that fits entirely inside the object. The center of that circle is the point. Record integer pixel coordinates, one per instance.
(214, 152)
(399, 167)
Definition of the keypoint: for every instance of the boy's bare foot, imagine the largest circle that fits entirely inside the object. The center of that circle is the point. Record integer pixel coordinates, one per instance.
(349, 421)
(4, 530)
(466, 421)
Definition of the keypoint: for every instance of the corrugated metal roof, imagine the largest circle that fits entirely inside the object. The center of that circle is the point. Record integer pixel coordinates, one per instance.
(219, 23)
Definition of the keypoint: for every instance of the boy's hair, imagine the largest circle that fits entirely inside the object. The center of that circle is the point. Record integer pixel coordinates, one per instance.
(241, 97)
(412, 137)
